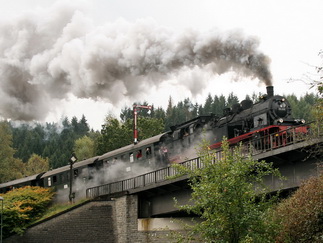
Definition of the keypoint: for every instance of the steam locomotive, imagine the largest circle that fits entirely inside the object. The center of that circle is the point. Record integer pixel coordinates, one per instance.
(247, 122)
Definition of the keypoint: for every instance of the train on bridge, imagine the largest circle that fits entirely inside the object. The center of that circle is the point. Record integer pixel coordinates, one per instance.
(265, 124)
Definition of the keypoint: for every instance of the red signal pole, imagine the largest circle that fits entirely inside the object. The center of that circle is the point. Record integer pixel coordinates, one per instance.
(136, 108)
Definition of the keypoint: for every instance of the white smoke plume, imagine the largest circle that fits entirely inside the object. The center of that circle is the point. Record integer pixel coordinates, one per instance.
(44, 56)
(109, 174)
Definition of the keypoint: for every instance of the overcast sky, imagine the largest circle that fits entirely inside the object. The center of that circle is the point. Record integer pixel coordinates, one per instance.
(55, 54)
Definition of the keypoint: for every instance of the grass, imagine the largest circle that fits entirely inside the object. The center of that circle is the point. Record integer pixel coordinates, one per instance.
(57, 208)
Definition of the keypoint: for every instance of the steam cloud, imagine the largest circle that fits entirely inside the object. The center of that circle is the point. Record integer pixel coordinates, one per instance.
(47, 55)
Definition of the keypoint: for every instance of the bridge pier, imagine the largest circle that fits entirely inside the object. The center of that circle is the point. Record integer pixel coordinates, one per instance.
(126, 218)
(131, 229)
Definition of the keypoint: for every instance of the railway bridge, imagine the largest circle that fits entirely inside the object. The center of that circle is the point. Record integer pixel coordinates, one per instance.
(149, 198)
(141, 209)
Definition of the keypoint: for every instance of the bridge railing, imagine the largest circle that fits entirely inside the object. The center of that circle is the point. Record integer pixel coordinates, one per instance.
(265, 143)
(147, 179)
(254, 146)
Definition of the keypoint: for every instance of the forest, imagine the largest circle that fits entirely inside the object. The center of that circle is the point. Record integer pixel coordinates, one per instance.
(27, 149)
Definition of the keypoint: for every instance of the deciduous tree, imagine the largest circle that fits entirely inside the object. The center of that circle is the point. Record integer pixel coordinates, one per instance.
(225, 198)
(10, 167)
(84, 148)
(36, 164)
(116, 134)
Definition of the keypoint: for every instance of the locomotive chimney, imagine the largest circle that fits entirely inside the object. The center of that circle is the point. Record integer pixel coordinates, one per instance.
(270, 91)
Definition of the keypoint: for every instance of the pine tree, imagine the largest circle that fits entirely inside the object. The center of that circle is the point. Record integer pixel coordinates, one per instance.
(208, 105)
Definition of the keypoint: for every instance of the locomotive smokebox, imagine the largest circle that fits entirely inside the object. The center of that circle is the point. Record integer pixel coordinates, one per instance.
(270, 91)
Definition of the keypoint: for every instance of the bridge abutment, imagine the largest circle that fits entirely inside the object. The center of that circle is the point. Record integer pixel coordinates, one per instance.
(113, 221)
(91, 222)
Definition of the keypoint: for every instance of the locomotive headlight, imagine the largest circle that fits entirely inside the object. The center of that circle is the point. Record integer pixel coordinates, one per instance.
(283, 99)
(280, 120)
(302, 121)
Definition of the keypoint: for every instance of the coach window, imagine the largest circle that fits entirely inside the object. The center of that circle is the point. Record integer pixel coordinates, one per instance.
(76, 173)
(83, 171)
(131, 157)
(139, 154)
(49, 181)
(107, 162)
(62, 177)
(54, 179)
(148, 152)
(186, 132)
(191, 129)
(123, 158)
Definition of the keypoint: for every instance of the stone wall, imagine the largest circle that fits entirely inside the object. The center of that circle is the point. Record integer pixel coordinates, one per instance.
(113, 221)
(126, 220)
(92, 222)
(127, 224)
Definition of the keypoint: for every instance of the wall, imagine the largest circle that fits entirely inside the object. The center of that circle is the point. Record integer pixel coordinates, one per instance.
(92, 222)
(113, 221)
(148, 231)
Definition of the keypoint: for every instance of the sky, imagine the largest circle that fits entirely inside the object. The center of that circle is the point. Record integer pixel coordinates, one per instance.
(69, 58)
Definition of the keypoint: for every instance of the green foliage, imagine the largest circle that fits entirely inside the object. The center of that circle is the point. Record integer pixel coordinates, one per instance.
(232, 99)
(317, 114)
(52, 141)
(10, 167)
(116, 134)
(36, 164)
(301, 215)
(302, 108)
(148, 127)
(23, 206)
(84, 148)
(318, 110)
(28, 140)
(224, 197)
(218, 105)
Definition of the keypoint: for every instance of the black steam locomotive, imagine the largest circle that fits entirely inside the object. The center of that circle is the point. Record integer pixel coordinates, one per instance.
(248, 122)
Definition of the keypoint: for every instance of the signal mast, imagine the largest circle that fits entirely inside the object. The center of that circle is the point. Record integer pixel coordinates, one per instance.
(136, 108)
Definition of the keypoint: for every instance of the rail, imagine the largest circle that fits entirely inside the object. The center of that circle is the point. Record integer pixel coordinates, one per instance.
(254, 146)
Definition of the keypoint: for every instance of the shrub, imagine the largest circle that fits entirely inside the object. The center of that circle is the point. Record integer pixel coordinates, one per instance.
(301, 215)
(23, 206)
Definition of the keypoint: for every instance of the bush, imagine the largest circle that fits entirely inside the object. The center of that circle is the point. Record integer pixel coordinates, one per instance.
(23, 206)
(301, 215)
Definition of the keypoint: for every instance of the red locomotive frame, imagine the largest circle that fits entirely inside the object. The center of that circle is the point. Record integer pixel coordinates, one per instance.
(273, 136)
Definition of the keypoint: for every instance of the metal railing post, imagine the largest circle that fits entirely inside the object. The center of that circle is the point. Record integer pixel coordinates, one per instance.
(271, 141)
